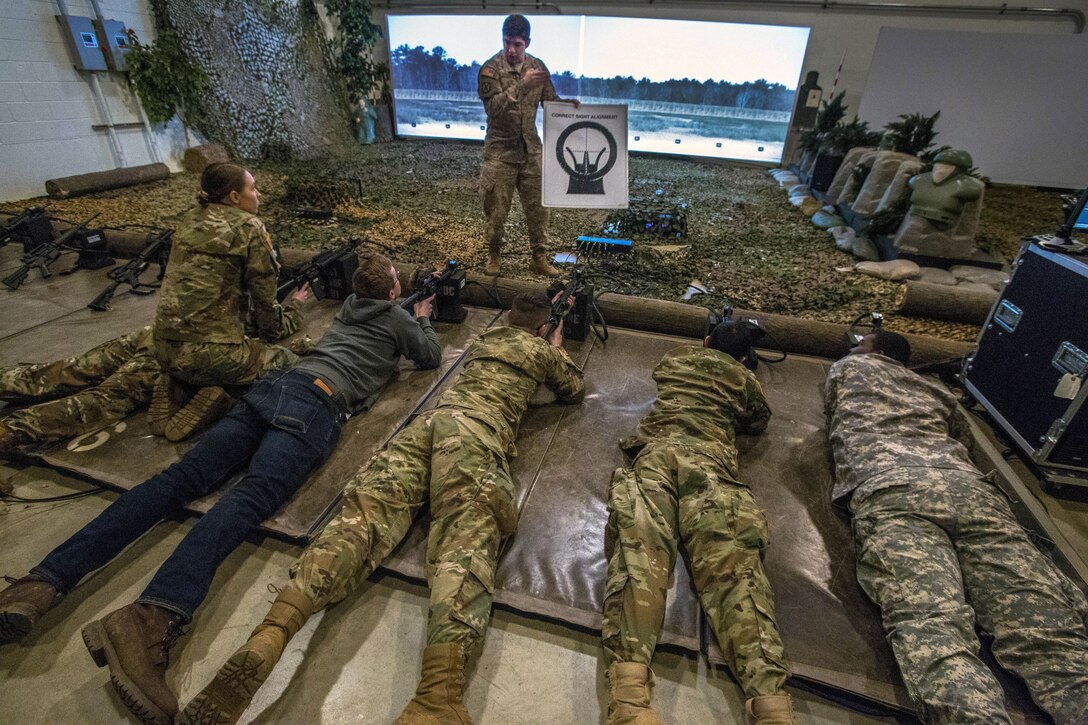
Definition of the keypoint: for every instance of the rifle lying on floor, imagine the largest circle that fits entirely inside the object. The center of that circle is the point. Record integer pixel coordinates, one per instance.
(31, 228)
(42, 256)
(156, 252)
(329, 274)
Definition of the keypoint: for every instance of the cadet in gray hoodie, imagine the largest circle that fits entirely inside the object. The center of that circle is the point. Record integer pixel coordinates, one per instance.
(280, 431)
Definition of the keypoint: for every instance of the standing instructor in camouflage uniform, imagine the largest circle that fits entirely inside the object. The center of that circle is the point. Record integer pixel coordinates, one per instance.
(455, 457)
(222, 272)
(512, 84)
(938, 548)
(683, 485)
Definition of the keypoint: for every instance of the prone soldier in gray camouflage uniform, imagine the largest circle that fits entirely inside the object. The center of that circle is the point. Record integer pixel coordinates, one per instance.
(455, 457)
(222, 273)
(512, 84)
(938, 548)
(684, 485)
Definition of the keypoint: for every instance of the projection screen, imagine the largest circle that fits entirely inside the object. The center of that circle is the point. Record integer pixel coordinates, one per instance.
(692, 88)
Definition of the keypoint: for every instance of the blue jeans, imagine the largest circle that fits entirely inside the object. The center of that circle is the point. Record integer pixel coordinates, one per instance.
(284, 427)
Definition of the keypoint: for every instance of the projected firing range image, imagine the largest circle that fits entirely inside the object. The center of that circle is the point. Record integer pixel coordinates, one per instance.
(721, 90)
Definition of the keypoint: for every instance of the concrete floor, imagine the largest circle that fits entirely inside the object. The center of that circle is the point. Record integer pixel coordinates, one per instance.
(355, 663)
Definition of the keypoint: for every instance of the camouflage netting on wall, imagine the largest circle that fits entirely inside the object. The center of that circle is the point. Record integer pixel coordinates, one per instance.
(274, 90)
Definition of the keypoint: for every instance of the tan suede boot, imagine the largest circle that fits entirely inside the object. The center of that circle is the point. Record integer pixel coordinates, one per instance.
(135, 641)
(770, 710)
(494, 260)
(441, 686)
(207, 406)
(167, 398)
(629, 686)
(22, 604)
(228, 695)
(541, 265)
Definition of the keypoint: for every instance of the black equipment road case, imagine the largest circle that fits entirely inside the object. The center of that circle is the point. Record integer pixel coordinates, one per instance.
(1029, 368)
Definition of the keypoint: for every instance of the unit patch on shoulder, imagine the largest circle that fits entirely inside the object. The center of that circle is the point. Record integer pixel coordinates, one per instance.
(488, 72)
(485, 87)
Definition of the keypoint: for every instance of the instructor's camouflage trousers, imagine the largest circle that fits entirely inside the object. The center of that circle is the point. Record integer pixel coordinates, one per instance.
(938, 551)
(498, 179)
(215, 363)
(459, 464)
(83, 393)
(674, 492)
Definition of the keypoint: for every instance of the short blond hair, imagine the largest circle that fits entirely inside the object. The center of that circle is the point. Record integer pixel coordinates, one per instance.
(373, 277)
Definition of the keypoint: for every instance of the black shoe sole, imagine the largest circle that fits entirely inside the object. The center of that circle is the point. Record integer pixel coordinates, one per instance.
(14, 626)
(104, 655)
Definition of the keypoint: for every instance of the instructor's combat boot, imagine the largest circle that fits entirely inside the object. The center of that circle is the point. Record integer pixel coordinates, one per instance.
(206, 407)
(135, 641)
(629, 695)
(228, 695)
(494, 261)
(167, 398)
(441, 685)
(22, 604)
(541, 265)
(770, 710)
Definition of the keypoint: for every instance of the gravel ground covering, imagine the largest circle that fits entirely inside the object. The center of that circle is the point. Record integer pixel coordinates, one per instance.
(746, 244)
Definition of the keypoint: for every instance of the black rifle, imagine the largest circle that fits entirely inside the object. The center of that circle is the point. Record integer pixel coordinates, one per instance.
(32, 227)
(156, 252)
(562, 304)
(328, 273)
(426, 284)
(44, 255)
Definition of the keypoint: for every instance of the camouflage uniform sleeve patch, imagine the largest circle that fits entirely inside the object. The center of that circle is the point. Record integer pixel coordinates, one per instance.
(487, 72)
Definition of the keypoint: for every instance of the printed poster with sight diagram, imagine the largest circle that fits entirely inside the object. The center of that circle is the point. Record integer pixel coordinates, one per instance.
(585, 156)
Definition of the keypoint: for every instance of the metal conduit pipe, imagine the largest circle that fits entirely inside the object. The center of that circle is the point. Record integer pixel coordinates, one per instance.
(1074, 15)
(149, 136)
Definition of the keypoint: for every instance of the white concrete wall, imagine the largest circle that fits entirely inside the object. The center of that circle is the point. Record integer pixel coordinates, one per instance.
(47, 107)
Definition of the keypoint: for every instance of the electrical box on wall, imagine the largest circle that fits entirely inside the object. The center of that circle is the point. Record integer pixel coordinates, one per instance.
(114, 37)
(83, 42)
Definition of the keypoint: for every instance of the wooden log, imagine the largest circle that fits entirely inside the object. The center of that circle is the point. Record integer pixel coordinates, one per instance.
(119, 242)
(197, 158)
(944, 302)
(69, 186)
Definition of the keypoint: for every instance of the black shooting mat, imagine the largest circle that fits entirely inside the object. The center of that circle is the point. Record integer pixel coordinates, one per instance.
(555, 566)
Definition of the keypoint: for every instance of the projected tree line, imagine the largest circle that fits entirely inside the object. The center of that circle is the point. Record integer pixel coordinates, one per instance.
(419, 69)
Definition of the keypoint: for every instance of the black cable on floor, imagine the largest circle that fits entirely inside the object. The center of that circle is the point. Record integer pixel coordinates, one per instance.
(52, 499)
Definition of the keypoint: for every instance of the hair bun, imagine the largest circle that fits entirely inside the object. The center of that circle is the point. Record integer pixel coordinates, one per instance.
(203, 198)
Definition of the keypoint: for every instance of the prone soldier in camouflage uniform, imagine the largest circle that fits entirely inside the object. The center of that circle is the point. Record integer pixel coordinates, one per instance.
(512, 84)
(222, 272)
(454, 456)
(683, 485)
(938, 548)
(79, 394)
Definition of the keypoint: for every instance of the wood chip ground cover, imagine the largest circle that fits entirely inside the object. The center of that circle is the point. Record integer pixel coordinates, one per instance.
(745, 243)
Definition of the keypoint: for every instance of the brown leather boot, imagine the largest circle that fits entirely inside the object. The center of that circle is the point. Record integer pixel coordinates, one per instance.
(22, 604)
(10, 439)
(441, 685)
(629, 686)
(167, 398)
(541, 265)
(770, 710)
(228, 695)
(135, 641)
(207, 406)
